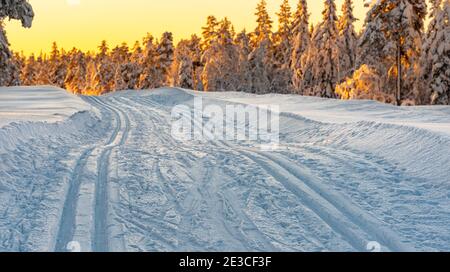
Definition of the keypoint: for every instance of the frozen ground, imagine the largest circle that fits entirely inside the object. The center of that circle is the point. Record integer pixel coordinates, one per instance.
(107, 174)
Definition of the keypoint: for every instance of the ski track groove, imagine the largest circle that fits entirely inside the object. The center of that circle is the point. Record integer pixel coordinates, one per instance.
(100, 241)
(337, 211)
(67, 223)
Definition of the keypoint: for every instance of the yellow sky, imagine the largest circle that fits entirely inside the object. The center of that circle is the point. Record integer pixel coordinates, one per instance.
(84, 23)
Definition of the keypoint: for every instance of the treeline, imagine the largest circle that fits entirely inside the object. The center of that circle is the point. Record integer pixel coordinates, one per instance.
(394, 59)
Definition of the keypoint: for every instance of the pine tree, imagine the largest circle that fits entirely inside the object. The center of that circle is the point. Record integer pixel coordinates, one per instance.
(29, 71)
(196, 55)
(282, 76)
(434, 80)
(148, 64)
(221, 60)
(137, 53)
(18, 10)
(126, 76)
(263, 29)
(347, 41)
(391, 43)
(182, 67)
(75, 80)
(320, 68)
(243, 46)
(165, 51)
(104, 72)
(209, 32)
(56, 67)
(301, 39)
(260, 71)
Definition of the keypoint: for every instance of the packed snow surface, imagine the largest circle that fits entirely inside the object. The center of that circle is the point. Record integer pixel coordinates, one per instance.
(38, 104)
(105, 174)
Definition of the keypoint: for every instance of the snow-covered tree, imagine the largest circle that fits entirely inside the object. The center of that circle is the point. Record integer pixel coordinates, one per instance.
(244, 73)
(104, 72)
(391, 43)
(282, 50)
(365, 83)
(182, 71)
(221, 59)
(434, 80)
(282, 38)
(320, 72)
(57, 68)
(209, 32)
(18, 10)
(196, 56)
(127, 76)
(29, 71)
(75, 80)
(347, 41)
(301, 39)
(148, 64)
(259, 60)
(136, 52)
(164, 59)
(263, 31)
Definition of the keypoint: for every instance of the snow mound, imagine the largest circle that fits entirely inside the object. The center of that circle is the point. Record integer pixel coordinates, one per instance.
(38, 104)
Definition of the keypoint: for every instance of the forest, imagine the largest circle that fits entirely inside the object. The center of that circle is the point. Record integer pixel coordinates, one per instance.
(401, 56)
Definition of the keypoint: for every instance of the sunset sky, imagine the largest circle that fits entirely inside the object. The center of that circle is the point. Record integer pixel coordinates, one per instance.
(84, 23)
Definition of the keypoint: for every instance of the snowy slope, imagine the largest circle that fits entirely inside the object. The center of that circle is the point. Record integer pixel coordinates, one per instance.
(347, 174)
(434, 118)
(38, 104)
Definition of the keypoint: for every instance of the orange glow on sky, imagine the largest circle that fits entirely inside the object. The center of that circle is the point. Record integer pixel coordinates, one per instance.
(84, 23)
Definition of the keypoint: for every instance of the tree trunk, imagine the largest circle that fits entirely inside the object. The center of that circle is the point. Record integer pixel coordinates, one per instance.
(399, 74)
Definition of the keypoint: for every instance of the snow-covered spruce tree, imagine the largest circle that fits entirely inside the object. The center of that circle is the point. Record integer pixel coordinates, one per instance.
(29, 72)
(320, 72)
(148, 64)
(221, 59)
(182, 70)
(196, 56)
(136, 52)
(391, 44)
(347, 41)
(261, 57)
(434, 81)
(57, 67)
(282, 49)
(209, 32)
(127, 76)
(244, 73)
(127, 73)
(43, 71)
(103, 79)
(17, 64)
(282, 38)
(18, 10)
(263, 29)
(260, 70)
(164, 59)
(75, 80)
(301, 38)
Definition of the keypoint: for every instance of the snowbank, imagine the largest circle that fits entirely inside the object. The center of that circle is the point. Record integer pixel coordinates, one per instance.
(38, 104)
(432, 118)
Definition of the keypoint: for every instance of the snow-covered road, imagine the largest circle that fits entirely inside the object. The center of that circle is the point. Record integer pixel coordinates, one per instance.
(114, 179)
